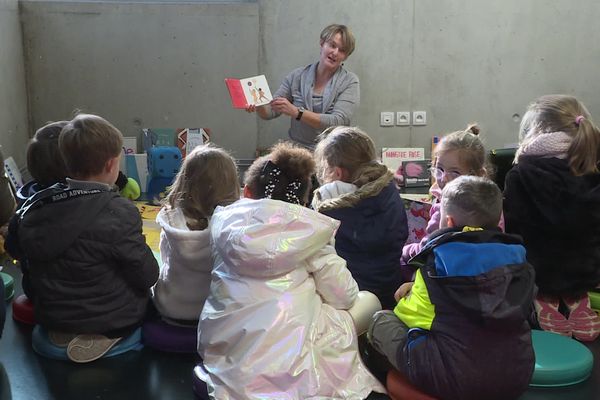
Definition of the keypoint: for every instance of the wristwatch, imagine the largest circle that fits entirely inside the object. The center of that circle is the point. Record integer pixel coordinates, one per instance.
(300, 112)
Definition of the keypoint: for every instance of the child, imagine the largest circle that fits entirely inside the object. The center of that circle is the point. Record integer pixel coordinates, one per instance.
(208, 178)
(44, 161)
(89, 265)
(273, 325)
(458, 153)
(461, 331)
(360, 192)
(552, 199)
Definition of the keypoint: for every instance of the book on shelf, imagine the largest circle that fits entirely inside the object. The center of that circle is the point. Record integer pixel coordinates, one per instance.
(416, 173)
(249, 91)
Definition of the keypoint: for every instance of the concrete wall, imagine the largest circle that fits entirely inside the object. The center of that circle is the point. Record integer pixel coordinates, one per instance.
(13, 95)
(143, 65)
(149, 64)
(460, 61)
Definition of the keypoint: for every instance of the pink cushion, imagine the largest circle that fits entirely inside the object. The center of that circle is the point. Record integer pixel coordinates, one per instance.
(23, 310)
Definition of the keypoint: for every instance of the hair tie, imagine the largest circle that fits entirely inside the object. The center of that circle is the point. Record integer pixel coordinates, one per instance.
(271, 173)
(291, 192)
(578, 119)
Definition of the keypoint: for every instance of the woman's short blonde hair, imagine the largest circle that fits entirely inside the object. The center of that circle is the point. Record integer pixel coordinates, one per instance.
(208, 178)
(348, 42)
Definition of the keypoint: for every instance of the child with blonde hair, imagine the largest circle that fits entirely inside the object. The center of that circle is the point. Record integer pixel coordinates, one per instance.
(275, 323)
(360, 192)
(208, 178)
(552, 199)
(458, 153)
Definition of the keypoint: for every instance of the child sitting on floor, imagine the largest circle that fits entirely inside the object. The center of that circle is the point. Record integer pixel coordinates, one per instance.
(552, 199)
(461, 331)
(89, 265)
(208, 178)
(360, 192)
(458, 153)
(274, 324)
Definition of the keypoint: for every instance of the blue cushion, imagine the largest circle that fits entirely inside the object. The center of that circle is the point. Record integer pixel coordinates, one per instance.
(559, 360)
(170, 338)
(42, 345)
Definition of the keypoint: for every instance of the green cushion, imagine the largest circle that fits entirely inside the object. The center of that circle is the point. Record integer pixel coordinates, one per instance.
(595, 300)
(559, 360)
(9, 286)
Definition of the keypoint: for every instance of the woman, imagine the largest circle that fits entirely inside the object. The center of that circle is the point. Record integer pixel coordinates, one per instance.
(319, 95)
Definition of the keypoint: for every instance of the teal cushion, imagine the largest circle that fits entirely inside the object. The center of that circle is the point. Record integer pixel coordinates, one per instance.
(559, 360)
(9, 286)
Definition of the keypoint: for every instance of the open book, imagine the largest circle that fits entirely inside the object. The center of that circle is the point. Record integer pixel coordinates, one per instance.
(244, 92)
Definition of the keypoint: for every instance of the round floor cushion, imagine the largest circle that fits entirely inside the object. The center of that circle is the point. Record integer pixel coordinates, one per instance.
(559, 360)
(22, 309)
(159, 335)
(9, 286)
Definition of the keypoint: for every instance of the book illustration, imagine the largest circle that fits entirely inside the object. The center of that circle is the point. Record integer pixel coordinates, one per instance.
(249, 91)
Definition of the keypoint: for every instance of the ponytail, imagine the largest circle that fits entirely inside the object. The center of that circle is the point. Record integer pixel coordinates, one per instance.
(583, 152)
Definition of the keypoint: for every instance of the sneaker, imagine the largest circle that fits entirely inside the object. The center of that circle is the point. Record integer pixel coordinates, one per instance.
(584, 320)
(86, 348)
(549, 318)
(61, 339)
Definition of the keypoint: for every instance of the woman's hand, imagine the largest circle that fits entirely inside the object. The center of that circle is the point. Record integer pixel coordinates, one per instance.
(283, 106)
(250, 108)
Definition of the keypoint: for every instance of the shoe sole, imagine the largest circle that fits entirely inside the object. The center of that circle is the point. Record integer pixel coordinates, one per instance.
(87, 348)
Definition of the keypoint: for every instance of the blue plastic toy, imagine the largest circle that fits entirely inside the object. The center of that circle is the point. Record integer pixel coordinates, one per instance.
(163, 165)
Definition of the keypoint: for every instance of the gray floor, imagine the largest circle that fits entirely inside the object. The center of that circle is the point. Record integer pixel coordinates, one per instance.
(146, 375)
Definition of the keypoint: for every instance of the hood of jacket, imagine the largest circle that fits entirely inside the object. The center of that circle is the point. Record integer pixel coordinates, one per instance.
(50, 224)
(264, 238)
(184, 244)
(496, 284)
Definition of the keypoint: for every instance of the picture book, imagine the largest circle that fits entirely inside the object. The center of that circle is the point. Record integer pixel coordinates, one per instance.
(416, 173)
(392, 157)
(248, 91)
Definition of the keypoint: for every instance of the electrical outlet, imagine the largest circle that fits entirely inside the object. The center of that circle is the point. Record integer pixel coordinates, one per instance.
(386, 118)
(403, 118)
(419, 118)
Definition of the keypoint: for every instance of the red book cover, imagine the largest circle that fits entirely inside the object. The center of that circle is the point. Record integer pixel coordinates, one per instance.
(254, 90)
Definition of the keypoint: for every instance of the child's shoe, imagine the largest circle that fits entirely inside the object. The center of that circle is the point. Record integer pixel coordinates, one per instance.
(86, 348)
(549, 318)
(584, 320)
(61, 339)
